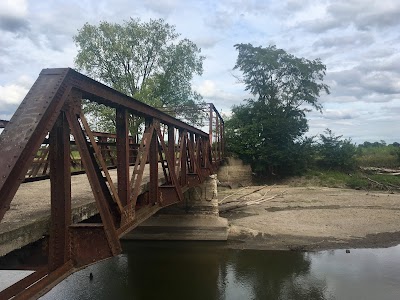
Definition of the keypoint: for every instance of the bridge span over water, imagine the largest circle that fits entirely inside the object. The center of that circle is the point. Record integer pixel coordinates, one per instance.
(49, 137)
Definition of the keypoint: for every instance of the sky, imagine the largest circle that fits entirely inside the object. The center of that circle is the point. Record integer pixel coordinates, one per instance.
(358, 41)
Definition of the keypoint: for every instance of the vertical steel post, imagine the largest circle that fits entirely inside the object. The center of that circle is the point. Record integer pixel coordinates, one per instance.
(171, 145)
(123, 155)
(198, 153)
(192, 159)
(222, 139)
(153, 162)
(60, 181)
(218, 140)
(184, 159)
(210, 126)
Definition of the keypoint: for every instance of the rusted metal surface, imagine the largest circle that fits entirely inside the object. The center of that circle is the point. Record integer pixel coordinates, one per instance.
(122, 138)
(107, 142)
(153, 162)
(40, 163)
(216, 134)
(88, 244)
(97, 92)
(45, 283)
(26, 130)
(183, 157)
(170, 175)
(60, 180)
(100, 191)
(53, 107)
(137, 174)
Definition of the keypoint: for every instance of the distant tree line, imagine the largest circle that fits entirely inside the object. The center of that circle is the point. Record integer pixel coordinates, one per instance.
(382, 143)
(379, 154)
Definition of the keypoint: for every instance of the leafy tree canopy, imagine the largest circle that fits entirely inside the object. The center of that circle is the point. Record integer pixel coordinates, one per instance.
(280, 79)
(267, 130)
(336, 153)
(145, 60)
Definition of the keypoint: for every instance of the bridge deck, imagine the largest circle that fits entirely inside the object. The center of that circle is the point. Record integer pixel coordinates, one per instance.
(28, 218)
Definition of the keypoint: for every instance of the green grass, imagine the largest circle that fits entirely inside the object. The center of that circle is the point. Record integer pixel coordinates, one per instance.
(356, 176)
(75, 154)
(383, 156)
(357, 180)
(320, 178)
(382, 182)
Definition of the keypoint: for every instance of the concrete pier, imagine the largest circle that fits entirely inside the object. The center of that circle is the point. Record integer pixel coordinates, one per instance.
(196, 218)
(181, 228)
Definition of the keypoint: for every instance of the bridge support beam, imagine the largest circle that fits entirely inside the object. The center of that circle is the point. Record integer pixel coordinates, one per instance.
(60, 178)
(123, 155)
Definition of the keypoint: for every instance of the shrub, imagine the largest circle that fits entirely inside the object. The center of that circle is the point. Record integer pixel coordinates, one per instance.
(336, 153)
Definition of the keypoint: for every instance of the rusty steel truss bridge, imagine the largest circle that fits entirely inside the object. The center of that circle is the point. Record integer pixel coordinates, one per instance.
(49, 137)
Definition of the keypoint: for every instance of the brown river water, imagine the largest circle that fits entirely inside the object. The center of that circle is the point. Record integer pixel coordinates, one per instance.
(209, 270)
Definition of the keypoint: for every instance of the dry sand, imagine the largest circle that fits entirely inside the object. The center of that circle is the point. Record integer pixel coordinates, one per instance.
(313, 218)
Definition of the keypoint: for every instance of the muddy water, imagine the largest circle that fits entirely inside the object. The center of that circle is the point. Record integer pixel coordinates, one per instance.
(176, 270)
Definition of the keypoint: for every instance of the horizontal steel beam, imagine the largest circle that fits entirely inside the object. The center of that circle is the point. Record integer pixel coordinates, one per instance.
(100, 93)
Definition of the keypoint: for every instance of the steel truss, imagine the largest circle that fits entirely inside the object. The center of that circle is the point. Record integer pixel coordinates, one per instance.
(52, 112)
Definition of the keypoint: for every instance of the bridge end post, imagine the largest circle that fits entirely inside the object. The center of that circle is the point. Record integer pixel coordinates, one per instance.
(60, 181)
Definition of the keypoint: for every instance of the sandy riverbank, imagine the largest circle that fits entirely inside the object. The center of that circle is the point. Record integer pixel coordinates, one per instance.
(313, 218)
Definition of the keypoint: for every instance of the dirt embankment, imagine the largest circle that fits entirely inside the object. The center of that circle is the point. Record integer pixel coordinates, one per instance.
(310, 218)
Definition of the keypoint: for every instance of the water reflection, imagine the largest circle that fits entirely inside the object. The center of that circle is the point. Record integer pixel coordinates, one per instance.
(190, 270)
(173, 270)
(251, 274)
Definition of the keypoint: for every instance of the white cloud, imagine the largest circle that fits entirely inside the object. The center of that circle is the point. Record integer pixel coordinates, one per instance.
(207, 41)
(361, 14)
(340, 41)
(163, 7)
(223, 99)
(13, 15)
(13, 8)
(15, 92)
(12, 94)
(207, 88)
(344, 114)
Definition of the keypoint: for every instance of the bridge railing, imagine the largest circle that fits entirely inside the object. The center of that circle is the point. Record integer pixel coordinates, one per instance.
(174, 154)
(106, 141)
(39, 169)
(216, 134)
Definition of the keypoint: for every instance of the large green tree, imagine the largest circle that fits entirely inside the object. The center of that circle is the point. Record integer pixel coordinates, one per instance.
(268, 130)
(145, 60)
